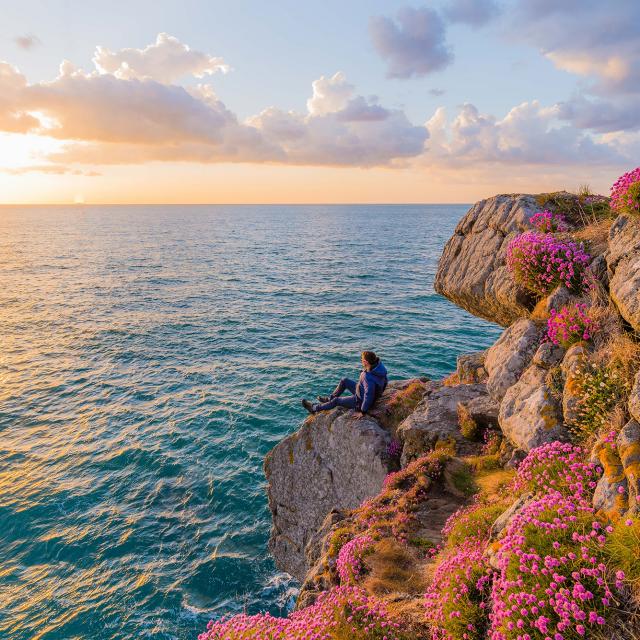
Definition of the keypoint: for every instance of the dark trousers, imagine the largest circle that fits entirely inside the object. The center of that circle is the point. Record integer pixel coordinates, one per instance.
(350, 402)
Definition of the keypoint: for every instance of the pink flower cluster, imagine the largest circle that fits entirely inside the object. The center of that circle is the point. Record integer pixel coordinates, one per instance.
(348, 610)
(552, 579)
(457, 601)
(570, 325)
(549, 222)
(350, 558)
(623, 200)
(557, 466)
(394, 448)
(540, 262)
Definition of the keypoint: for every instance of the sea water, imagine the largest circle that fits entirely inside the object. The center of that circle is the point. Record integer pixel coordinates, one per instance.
(150, 356)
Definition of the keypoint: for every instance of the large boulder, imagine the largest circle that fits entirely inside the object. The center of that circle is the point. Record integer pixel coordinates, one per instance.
(470, 367)
(510, 356)
(628, 445)
(472, 270)
(623, 264)
(334, 461)
(530, 414)
(435, 420)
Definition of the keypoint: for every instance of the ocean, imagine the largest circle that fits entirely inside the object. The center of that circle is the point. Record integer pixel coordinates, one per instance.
(150, 356)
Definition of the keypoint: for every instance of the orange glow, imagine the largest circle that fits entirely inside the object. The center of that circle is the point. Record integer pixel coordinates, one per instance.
(177, 183)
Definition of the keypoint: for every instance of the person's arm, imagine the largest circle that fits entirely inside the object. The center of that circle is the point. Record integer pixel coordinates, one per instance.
(368, 396)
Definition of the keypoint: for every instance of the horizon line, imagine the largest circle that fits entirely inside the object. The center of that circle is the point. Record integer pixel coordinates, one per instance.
(215, 204)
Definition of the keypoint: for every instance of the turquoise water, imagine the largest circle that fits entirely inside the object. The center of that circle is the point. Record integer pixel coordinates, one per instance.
(150, 357)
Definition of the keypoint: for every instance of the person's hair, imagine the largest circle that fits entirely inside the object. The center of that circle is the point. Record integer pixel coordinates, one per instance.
(370, 357)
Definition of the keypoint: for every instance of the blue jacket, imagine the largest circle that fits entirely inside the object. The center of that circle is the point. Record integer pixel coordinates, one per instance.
(370, 386)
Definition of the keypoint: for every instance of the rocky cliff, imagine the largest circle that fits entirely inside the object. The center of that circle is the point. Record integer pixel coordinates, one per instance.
(330, 480)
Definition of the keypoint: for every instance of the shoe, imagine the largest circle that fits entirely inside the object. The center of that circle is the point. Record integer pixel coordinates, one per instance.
(323, 399)
(308, 406)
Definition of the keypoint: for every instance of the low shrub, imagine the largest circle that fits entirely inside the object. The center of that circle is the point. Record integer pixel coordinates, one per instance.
(540, 262)
(549, 222)
(583, 208)
(570, 325)
(623, 550)
(344, 613)
(625, 193)
(401, 403)
(600, 389)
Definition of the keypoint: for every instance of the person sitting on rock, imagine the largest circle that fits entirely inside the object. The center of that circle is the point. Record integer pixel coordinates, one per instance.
(370, 386)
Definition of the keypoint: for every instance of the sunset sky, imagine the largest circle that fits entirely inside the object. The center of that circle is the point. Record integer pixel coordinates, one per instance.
(289, 101)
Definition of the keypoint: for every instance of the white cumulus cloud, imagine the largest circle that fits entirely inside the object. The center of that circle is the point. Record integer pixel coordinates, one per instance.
(166, 60)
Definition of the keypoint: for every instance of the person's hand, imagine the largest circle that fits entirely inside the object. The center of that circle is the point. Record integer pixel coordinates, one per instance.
(359, 415)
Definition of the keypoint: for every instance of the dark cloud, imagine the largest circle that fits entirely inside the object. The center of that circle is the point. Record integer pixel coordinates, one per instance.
(414, 44)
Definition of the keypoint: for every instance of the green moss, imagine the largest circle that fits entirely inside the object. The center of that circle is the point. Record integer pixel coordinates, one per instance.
(463, 480)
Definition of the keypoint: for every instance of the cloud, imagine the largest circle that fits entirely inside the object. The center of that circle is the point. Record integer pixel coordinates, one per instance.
(107, 118)
(166, 61)
(414, 44)
(103, 107)
(602, 46)
(102, 117)
(603, 116)
(341, 128)
(472, 12)
(529, 134)
(13, 117)
(55, 169)
(27, 41)
(593, 39)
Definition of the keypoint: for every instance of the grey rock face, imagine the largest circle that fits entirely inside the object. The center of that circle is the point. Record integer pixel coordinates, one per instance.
(623, 263)
(483, 410)
(472, 270)
(548, 355)
(333, 461)
(436, 419)
(510, 356)
(319, 576)
(558, 298)
(530, 415)
(470, 367)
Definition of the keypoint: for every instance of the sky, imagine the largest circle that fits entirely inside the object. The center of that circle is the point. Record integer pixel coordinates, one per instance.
(288, 101)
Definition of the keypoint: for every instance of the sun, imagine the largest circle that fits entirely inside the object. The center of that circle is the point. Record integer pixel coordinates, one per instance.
(78, 199)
